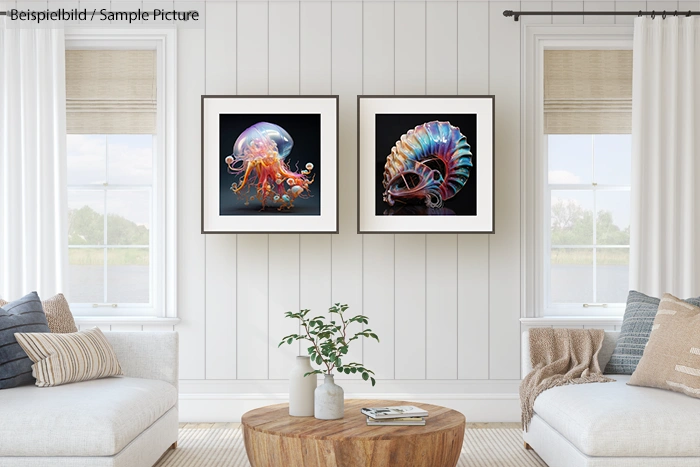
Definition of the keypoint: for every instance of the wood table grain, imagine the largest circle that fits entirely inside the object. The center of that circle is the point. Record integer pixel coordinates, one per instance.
(274, 439)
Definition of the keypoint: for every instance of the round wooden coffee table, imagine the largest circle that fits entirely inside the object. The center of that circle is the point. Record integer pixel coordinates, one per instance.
(273, 438)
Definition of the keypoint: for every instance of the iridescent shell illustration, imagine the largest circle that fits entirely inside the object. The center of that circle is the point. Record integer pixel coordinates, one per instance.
(429, 165)
(258, 159)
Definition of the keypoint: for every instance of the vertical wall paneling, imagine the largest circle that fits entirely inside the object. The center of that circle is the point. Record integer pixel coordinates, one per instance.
(504, 250)
(540, 5)
(473, 250)
(628, 6)
(252, 307)
(253, 279)
(598, 6)
(441, 249)
(315, 48)
(347, 245)
(660, 5)
(688, 5)
(567, 6)
(442, 40)
(378, 250)
(283, 37)
(283, 258)
(283, 266)
(410, 50)
(252, 47)
(221, 273)
(190, 249)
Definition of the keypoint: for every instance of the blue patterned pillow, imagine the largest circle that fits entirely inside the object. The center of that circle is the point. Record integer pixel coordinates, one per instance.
(634, 335)
(23, 315)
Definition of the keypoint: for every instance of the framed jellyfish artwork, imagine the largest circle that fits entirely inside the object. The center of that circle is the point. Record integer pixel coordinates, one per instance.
(269, 164)
(425, 164)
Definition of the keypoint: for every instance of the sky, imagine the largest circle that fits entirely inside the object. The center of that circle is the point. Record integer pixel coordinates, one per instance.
(585, 159)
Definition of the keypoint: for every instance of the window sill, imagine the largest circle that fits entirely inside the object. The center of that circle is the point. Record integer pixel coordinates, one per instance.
(138, 320)
(572, 321)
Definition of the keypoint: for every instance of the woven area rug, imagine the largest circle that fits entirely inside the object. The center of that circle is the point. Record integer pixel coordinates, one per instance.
(223, 447)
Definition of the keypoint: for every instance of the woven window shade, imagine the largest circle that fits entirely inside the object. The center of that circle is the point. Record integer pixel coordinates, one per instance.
(587, 91)
(111, 91)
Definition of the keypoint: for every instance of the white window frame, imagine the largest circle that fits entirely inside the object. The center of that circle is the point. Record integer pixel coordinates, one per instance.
(163, 244)
(534, 176)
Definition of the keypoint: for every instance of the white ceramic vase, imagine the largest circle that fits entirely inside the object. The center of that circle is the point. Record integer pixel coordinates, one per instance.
(301, 389)
(329, 400)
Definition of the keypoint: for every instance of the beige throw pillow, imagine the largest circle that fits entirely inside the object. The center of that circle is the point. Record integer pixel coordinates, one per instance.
(58, 314)
(671, 358)
(68, 358)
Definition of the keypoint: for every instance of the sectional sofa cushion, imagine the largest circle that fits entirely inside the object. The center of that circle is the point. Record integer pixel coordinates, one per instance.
(91, 418)
(634, 335)
(618, 420)
(23, 315)
(57, 312)
(68, 358)
(671, 359)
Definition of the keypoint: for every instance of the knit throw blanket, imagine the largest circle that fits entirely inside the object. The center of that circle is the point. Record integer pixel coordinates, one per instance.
(560, 357)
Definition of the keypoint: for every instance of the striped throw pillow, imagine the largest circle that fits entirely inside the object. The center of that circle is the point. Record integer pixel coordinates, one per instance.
(58, 314)
(671, 359)
(23, 315)
(69, 358)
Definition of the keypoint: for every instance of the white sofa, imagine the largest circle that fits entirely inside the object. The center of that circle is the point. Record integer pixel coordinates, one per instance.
(127, 421)
(612, 424)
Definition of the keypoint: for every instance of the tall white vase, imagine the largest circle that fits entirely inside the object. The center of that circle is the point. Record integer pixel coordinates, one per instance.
(330, 400)
(301, 389)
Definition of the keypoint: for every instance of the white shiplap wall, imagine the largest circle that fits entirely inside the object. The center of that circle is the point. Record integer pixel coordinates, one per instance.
(446, 306)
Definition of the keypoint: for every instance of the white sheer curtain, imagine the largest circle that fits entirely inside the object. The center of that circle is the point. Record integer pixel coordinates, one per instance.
(665, 229)
(33, 205)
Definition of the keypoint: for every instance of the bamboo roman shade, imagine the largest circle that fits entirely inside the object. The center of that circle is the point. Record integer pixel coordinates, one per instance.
(587, 91)
(111, 91)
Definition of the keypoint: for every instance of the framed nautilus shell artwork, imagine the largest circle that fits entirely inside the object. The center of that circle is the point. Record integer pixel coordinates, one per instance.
(425, 164)
(269, 164)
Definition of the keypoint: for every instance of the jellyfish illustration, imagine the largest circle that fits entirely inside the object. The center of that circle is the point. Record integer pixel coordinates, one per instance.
(428, 165)
(258, 156)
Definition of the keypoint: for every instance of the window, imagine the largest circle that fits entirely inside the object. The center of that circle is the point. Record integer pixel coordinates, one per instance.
(110, 219)
(577, 171)
(121, 173)
(588, 200)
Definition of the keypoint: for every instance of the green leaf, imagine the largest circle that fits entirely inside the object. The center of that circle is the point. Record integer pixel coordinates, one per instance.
(365, 376)
(354, 370)
(337, 361)
(347, 370)
(290, 340)
(319, 360)
(373, 381)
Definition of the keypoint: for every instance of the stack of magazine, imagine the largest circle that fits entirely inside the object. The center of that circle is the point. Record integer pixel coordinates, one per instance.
(402, 415)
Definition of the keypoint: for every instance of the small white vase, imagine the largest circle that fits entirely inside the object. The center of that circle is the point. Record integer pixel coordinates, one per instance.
(329, 400)
(301, 389)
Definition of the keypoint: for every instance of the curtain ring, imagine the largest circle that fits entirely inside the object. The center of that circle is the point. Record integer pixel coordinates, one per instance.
(640, 14)
(664, 15)
(675, 13)
(653, 14)
(689, 14)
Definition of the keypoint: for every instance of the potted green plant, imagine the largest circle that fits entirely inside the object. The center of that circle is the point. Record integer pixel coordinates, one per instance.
(330, 341)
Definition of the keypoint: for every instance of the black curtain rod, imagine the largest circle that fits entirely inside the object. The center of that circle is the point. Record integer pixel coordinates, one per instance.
(517, 14)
